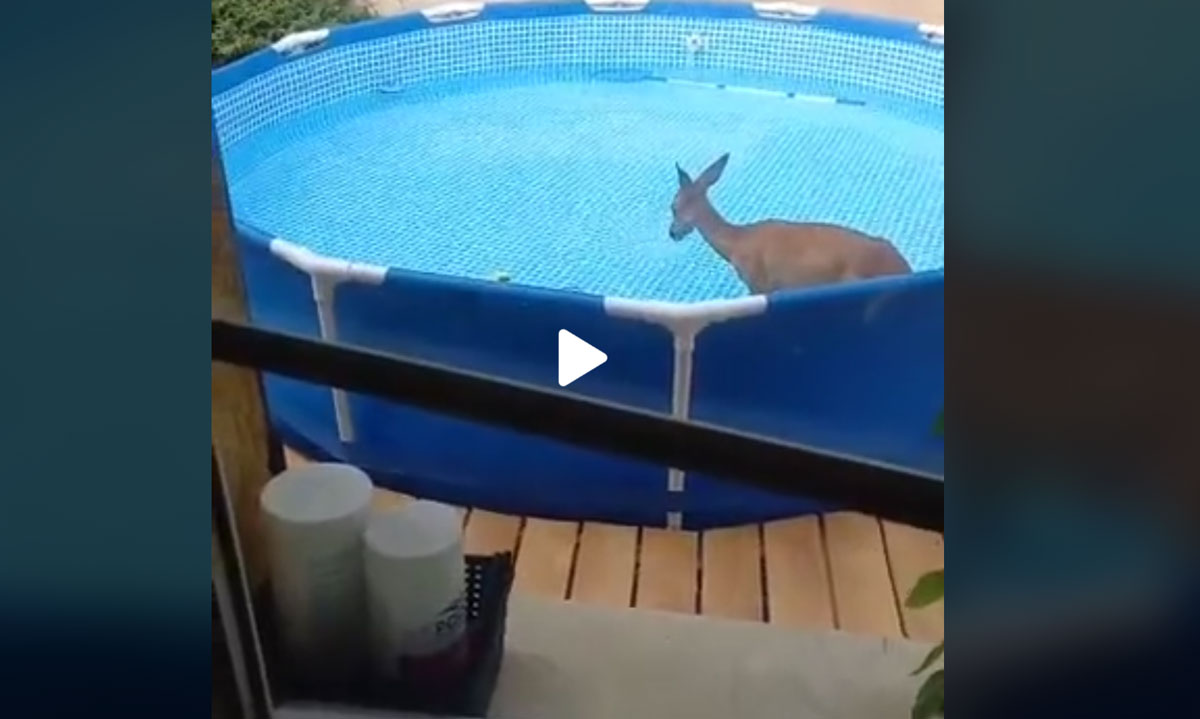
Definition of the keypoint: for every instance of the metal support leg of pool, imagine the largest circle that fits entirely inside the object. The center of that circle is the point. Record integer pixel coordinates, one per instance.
(326, 274)
(684, 322)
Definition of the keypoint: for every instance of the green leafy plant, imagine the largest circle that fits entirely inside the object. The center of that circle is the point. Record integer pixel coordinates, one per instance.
(931, 697)
(240, 27)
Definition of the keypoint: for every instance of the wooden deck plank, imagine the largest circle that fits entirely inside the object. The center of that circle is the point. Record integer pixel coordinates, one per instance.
(385, 499)
(604, 565)
(292, 458)
(911, 553)
(862, 586)
(854, 581)
(667, 572)
(547, 553)
(798, 592)
(731, 580)
(489, 533)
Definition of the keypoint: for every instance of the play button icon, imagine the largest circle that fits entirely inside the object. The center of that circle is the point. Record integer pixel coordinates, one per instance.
(576, 358)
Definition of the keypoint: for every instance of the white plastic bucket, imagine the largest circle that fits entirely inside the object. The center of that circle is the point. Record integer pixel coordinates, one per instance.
(415, 578)
(315, 519)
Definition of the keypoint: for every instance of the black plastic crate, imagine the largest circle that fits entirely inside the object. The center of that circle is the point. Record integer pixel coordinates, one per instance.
(488, 583)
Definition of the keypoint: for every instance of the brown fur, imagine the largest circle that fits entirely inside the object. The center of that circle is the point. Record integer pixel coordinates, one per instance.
(774, 255)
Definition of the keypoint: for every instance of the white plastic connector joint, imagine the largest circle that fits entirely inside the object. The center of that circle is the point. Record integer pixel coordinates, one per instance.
(300, 41)
(453, 11)
(685, 318)
(617, 5)
(327, 268)
(934, 34)
(793, 11)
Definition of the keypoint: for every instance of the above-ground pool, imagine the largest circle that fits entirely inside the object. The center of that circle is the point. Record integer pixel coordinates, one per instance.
(460, 184)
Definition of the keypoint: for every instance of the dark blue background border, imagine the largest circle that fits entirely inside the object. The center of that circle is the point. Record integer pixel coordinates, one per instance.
(104, 498)
(1071, 133)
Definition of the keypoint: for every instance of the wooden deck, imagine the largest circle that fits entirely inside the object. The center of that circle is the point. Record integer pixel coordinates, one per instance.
(842, 570)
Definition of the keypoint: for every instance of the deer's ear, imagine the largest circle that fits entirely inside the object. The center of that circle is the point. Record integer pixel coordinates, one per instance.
(684, 178)
(710, 176)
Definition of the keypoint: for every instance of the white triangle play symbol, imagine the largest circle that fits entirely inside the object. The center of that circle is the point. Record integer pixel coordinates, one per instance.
(576, 358)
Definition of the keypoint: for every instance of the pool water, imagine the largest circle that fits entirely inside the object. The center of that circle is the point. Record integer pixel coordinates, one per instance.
(568, 185)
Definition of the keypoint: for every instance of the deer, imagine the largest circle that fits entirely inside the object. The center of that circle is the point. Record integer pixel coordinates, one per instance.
(773, 255)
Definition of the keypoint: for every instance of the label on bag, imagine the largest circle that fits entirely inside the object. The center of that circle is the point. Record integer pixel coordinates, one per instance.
(436, 651)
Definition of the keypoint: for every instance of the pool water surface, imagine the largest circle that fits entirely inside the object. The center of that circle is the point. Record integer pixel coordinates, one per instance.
(568, 185)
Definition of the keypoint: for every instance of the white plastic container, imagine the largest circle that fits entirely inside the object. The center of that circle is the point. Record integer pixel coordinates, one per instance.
(416, 585)
(315, 518)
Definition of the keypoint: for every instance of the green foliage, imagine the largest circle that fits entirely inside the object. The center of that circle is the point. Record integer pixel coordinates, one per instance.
(929, 588)
(240, 27)
(933, 655)
(931, 697)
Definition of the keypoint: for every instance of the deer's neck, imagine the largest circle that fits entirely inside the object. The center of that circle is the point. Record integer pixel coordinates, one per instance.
(715, 230)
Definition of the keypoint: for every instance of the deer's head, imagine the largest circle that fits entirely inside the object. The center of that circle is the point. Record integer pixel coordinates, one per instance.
(691, 200)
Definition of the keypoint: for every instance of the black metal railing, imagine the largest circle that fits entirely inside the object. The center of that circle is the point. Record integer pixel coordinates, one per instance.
(891, 492)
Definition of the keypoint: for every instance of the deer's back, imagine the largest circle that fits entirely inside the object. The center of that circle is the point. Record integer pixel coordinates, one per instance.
(776, 255)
